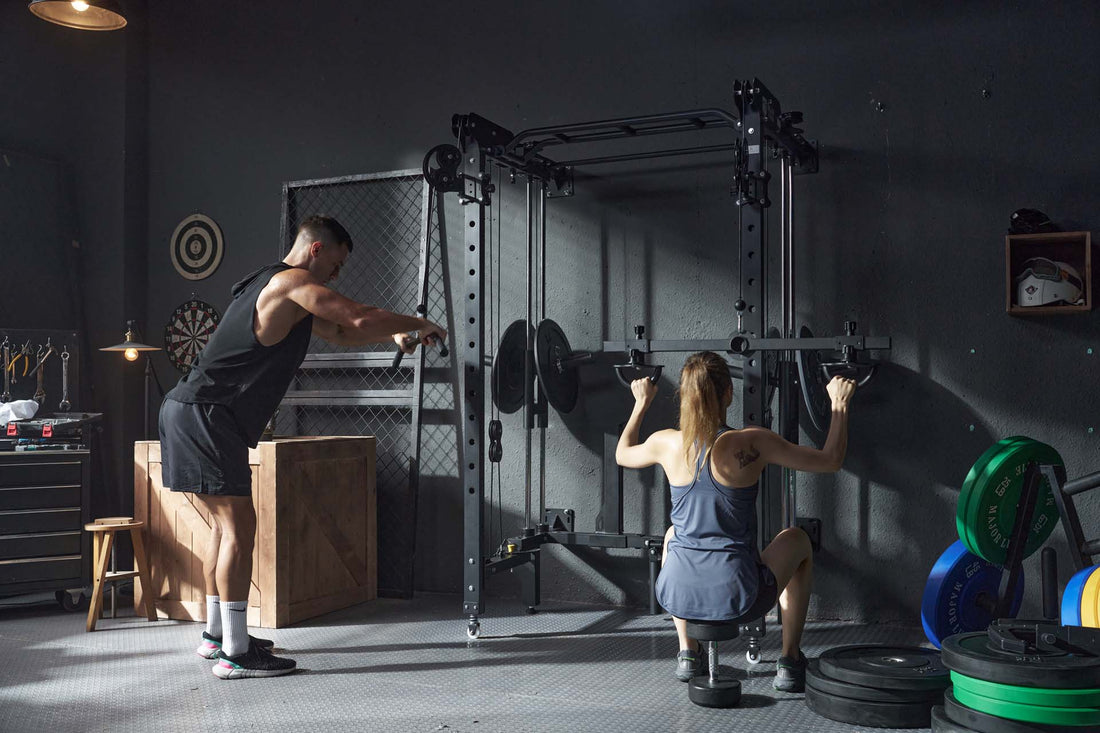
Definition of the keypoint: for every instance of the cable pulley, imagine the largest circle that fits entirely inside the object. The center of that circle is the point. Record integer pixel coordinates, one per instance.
(443, 176)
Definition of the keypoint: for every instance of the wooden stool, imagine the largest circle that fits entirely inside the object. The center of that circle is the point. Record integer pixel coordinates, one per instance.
(103, 539)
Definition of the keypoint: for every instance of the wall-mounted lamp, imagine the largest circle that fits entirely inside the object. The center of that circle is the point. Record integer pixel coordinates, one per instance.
(86, 15)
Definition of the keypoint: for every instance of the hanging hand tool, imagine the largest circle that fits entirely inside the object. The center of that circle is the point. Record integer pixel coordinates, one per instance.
(65, 404)
(6, 396)
(40, 391)
(24, 354)
(44, 352)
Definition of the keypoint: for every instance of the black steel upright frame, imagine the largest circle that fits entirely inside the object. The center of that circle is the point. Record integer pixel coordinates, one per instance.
(761, 130)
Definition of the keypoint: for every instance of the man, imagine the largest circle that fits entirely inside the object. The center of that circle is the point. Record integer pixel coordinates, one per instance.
(210, 419)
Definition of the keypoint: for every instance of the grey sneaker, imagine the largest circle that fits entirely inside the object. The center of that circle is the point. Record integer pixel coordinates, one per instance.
(690, 663)
(790, 674)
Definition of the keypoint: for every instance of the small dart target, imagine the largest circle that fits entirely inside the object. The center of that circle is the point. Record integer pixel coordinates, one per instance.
(197, 247)
(188, 331)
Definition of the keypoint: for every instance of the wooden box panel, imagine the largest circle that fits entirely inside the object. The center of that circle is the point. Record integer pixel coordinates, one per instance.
(316, 531)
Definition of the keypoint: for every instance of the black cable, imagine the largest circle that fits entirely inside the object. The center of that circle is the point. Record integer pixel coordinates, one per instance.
(496, 333)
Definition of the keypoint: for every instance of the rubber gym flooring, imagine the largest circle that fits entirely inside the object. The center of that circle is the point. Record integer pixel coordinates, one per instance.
(394, 665)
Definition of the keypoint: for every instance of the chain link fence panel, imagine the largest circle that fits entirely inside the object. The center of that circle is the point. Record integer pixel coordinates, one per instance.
(386, 216)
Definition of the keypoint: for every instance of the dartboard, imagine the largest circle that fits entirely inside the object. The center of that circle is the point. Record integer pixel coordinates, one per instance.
(196, 247)
(187, 332)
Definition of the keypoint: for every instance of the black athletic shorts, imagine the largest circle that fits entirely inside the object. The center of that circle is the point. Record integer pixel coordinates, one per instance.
(202, 450)
(766, 593)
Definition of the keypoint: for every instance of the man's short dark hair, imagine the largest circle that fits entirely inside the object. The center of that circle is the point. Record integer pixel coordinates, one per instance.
(321, 228)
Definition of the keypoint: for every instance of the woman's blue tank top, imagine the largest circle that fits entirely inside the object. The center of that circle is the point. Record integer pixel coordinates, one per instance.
(711, 565)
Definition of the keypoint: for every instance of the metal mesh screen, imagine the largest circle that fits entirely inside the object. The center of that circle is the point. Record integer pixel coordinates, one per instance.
(385, 215)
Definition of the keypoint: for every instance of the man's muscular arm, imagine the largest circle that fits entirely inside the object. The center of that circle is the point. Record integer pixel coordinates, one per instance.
(345, 322)
(335, 333)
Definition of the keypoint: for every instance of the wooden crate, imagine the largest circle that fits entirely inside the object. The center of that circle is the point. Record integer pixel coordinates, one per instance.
(316, 534)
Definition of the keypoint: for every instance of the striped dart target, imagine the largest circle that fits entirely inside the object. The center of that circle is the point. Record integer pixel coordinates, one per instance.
(197, 247)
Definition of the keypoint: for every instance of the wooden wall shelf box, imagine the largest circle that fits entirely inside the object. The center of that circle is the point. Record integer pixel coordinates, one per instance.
(1073, 248)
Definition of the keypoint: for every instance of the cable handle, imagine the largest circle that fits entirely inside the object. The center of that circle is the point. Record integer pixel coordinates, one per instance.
(410, 340)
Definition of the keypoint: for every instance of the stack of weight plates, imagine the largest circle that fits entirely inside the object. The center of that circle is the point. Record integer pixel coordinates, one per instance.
(996, 691)
(878, 686)
(953, 596)
(962, 588)
(1081, 601)
(990, 497)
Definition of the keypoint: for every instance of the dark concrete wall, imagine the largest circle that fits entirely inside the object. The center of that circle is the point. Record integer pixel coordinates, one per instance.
(70, 99)
(901, 231)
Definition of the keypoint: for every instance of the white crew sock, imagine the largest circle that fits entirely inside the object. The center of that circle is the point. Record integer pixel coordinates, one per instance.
(214, 616)
(234, 627)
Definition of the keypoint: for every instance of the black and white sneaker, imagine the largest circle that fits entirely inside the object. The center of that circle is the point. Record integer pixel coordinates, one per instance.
(790, 674)
(690, 663)
(256, 662)
(211, 645)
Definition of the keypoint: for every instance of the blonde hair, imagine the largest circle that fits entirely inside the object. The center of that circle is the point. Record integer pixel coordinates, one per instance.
(705, 393)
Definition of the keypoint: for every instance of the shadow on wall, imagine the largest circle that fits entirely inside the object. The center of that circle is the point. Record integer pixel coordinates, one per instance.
(908, 431)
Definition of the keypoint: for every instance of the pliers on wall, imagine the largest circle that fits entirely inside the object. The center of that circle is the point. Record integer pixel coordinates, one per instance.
(24, 354)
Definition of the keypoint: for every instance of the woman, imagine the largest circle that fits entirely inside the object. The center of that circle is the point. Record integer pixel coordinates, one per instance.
(711, 570)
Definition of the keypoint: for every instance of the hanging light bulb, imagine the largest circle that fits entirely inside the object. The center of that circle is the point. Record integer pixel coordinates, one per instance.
(88, 15)
(131, 346)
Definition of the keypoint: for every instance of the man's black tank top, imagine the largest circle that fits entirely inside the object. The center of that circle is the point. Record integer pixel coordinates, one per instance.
(236, 370)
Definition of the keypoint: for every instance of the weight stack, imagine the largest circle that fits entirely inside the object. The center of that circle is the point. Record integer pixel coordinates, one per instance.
(877, 686)
(1000, 691)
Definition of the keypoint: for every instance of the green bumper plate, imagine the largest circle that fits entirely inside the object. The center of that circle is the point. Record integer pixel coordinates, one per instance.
(989, 502)
(1029, 713)
(1052, 698)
